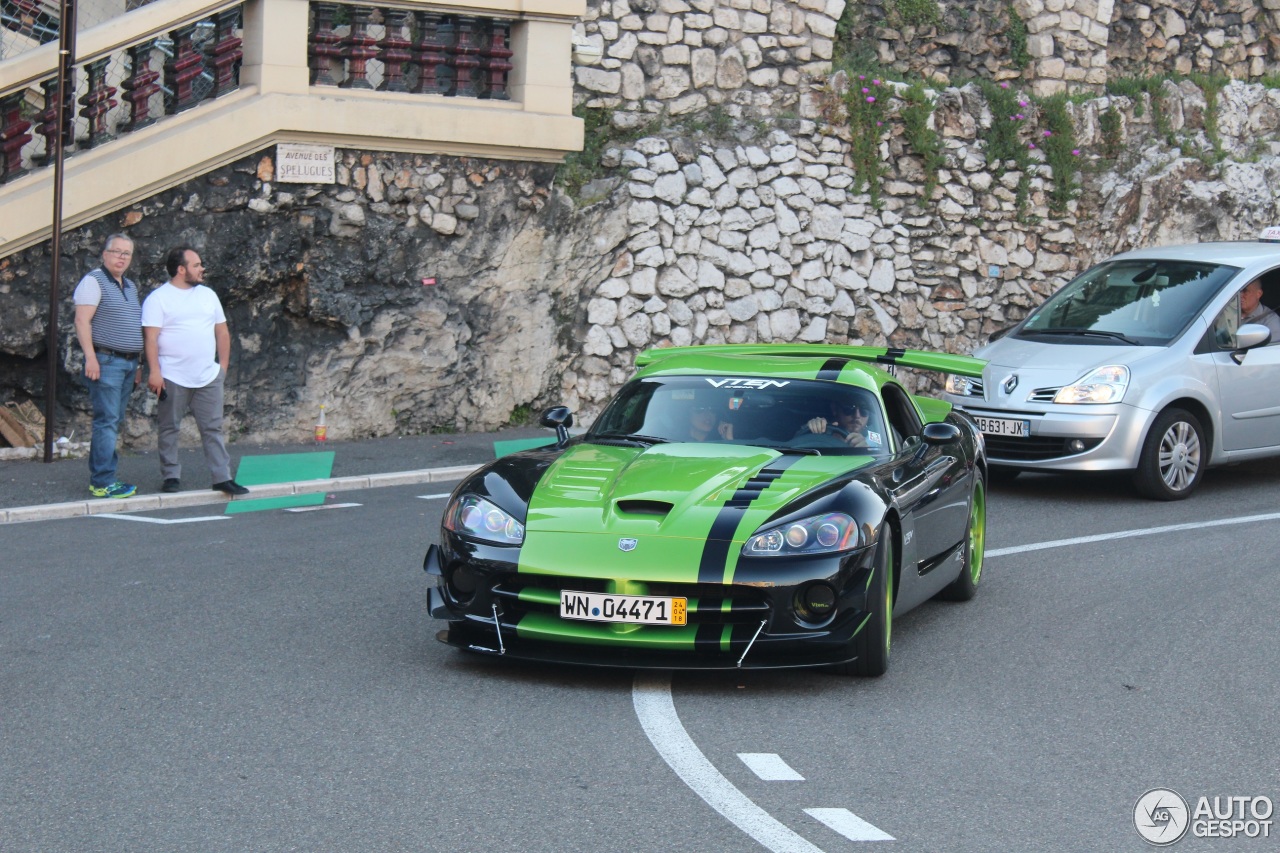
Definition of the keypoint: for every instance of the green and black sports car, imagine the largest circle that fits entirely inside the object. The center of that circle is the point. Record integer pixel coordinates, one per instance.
(733, 506)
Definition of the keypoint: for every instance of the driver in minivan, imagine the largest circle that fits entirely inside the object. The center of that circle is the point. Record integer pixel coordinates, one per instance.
(1253, 311)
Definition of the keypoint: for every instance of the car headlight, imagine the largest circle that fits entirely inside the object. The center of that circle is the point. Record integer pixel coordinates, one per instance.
(959, 385)
(1104, 385)
(819, 534)
(472, 515)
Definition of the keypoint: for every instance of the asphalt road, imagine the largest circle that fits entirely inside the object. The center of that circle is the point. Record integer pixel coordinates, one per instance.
(270, 681)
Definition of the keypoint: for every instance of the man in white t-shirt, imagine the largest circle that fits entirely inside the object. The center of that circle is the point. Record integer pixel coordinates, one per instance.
(188, 349)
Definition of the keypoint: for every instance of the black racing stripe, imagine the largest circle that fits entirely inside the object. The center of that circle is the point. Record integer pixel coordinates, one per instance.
(831, 368)
(707, 638)
(891, 355)
(715, 552)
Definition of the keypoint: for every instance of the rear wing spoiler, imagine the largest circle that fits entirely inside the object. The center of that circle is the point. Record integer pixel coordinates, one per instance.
(961, 365)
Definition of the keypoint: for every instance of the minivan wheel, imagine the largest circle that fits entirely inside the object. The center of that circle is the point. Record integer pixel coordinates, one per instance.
(1173, 457)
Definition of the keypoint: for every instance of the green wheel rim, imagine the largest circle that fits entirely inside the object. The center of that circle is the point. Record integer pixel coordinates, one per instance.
(977, 532)
(888, 596)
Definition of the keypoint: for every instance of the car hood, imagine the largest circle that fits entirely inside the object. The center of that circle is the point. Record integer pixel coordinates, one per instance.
(1041, 364)
(677, 501)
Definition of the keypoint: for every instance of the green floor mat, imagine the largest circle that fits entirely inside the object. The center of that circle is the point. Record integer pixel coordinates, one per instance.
(281, 468)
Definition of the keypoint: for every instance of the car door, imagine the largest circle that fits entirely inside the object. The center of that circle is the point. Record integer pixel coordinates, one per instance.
(929, 482)
(1248, 386)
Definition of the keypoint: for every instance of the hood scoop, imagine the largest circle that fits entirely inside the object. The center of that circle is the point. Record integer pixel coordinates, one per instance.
(654, 509)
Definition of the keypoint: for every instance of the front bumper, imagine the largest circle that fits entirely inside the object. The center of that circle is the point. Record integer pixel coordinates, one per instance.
(731, 626)
(1111, 436)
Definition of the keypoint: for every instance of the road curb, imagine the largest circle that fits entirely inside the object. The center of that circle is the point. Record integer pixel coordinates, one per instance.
(151, 503)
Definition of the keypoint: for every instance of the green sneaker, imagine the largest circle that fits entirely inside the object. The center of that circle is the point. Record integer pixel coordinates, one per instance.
(115, 490)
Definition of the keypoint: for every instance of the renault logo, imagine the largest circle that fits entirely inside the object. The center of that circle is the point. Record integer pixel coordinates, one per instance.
(1010, 382)
(626, 544)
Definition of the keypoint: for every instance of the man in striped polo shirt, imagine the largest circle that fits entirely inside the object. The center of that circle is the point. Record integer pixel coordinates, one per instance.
(109, 328)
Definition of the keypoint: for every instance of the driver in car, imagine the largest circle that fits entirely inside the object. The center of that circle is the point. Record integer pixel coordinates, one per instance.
(848, 422)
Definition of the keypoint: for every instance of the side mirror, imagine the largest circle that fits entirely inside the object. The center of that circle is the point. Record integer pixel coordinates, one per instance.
(940, 433)
(1251, 335)
(560, 419)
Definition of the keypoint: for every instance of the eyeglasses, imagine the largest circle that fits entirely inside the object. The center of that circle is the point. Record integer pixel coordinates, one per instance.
(119, 253)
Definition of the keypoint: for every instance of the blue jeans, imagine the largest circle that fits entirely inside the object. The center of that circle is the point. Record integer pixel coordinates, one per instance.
(109, 394)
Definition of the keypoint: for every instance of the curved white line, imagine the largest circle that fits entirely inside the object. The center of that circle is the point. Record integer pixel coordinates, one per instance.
(651, 696)
(1125, 534)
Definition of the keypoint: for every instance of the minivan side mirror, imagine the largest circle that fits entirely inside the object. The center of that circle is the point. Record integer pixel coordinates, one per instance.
(1252, 335)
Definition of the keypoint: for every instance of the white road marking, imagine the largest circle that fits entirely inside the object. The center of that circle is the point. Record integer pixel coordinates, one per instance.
(120, 517)
(322, 506)
(849, 825)
(770, 767)
(651, 697)
(1126, 534)
(432, 497)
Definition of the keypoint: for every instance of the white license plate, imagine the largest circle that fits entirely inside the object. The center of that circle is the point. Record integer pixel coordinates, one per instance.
(1004, 426)
(637, 609)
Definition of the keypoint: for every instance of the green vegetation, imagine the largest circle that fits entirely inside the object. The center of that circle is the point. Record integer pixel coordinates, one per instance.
(915, 13)
(1211, 85)
(599, 134)
(522, 415)
(923, 139)
(1017, 35)
(866, 103)
(1135, 88)
(1058, 143)
(1109, 121)
(1009, 113)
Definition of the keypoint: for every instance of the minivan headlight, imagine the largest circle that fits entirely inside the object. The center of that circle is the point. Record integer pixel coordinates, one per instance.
(1104, 385)
(959, 385)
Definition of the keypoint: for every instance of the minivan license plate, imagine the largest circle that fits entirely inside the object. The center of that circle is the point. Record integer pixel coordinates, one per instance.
(1004, 426)
(637, 609)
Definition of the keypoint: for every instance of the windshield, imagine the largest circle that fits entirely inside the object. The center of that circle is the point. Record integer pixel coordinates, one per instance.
(788, 414)
(1137, 302)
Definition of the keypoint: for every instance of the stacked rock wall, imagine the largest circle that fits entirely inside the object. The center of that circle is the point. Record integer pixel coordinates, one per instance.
(1056, 45)
(751, 57)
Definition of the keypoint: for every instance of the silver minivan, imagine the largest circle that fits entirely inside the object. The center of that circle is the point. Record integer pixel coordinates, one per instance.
(1144, 363)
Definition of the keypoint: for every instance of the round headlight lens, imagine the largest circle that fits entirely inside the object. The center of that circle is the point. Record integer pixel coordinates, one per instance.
(797, 535)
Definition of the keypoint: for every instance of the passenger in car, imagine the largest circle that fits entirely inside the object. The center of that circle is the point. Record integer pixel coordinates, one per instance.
(1253, 311)
(705, 424)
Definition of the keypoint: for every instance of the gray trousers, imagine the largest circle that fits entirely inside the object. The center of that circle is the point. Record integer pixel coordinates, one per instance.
(205, 405)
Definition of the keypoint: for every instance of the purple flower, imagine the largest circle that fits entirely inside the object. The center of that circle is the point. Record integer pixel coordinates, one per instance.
(1020, 116)
(1004, 85)
(1075, 152)
(1048, 133)
(1022, 103)
(875, 82)
(871, 99)
(865, 90)
(1031, 145)
(862, 77)
(879, 124)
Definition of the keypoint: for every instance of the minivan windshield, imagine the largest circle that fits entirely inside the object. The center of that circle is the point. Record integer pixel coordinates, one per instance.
(1137, 302)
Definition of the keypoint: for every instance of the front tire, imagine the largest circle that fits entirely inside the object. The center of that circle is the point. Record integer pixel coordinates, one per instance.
(965, 586)
(1173, 457)
(871, 645)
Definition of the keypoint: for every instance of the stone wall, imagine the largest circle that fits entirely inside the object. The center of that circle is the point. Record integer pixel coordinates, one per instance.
(1076, 44)
(538, 301)
(751, 57)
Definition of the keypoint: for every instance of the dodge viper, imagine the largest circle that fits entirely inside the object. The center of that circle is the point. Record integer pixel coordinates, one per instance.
(748, 506)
